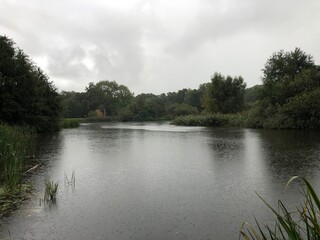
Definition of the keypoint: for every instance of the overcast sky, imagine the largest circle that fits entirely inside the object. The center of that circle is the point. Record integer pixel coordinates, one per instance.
(158, 45)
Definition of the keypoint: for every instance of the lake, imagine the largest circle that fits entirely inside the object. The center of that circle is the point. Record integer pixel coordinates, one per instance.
(158, 181)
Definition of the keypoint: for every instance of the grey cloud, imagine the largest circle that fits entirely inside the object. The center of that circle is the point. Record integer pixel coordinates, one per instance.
(63, 33)
(266, 17)
(157, 46)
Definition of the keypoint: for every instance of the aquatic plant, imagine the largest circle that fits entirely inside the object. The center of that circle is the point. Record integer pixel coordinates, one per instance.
(300, 224)
(50, 193)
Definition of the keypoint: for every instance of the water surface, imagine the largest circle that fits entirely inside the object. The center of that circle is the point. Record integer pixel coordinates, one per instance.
(158, 181)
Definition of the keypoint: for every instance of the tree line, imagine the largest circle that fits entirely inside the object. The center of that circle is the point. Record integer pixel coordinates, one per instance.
(289, 96)
(107, 99)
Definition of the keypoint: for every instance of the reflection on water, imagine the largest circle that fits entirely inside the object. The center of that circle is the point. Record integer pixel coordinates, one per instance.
(158, 181)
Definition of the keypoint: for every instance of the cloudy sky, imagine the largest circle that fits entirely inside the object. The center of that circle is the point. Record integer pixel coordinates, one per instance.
(158, 45)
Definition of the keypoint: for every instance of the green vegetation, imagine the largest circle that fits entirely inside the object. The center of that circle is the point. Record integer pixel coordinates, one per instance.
(10, 201)
(224, 94)
(211, 120)
(27, 101)
(288, 98)
(26, 95)
(16, 145)
(300, 224)
(290, 94)
(69, 123)
(50, 193)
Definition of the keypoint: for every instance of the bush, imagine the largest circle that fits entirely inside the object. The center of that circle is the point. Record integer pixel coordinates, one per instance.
(299, 112)
(211, 120)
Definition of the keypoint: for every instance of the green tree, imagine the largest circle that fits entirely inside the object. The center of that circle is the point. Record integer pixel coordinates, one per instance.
(288, 98)
(183, 109)
(74, 104)
(26, 95)
(193, 98)
(147, 107)
(224, 94)
(251, 95)
(280, 72)
(286, 64)
(108, 95)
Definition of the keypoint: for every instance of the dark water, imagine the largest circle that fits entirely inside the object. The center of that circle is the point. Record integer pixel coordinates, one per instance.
(157, 181)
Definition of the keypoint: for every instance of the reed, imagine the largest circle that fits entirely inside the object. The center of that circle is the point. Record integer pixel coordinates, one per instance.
(50, 193)
(300, 224)
(15, 146)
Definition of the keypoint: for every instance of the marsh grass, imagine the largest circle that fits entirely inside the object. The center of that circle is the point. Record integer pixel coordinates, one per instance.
(303, 223)
(50, 193)
(15, 146)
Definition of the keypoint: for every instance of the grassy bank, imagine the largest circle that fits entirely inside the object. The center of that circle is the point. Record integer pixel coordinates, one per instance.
(70, 122)
(16, 146)
(214, 120)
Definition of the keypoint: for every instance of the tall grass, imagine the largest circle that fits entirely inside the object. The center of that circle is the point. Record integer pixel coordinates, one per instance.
(50, 193)
(69, 123)
(304, 223)
(15, 145)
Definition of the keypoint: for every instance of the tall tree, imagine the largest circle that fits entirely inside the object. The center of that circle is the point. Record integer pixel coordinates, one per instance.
(280, 72)
(26, 95)
(74, 104)
(109, 96)
(290, 92)
(224, 94)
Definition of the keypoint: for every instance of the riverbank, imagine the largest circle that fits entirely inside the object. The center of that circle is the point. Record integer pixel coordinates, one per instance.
(17, 145)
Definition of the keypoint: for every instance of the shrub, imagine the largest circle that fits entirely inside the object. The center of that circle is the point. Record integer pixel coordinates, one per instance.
(211, 120)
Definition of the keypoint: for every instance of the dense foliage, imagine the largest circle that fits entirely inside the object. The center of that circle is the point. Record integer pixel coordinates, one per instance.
(107, 99)
(225, 94)
(290, 94)
(211, 120)
(288, 98)
(251, 95)
(26, 95)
